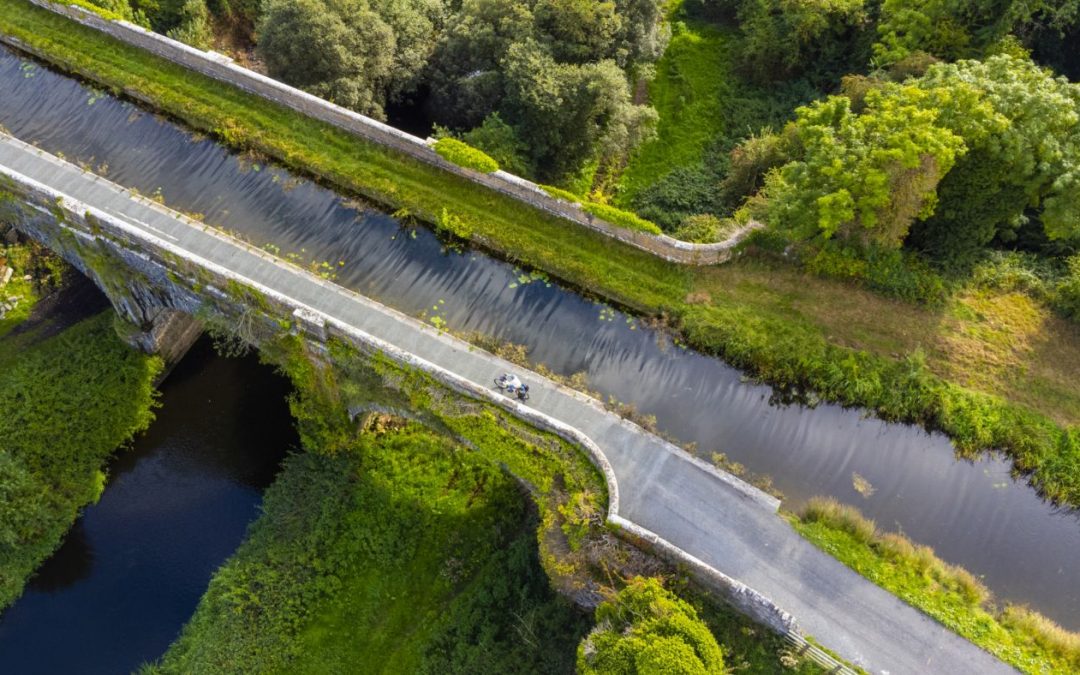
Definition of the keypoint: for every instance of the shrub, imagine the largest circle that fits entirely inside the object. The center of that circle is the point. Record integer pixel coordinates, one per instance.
(750, 161)
(565, 195)
(615, 216)
(630, 221)
(499, 140)
(647, 629)
(679, 194)
(704, 228)
(839, 516)
(1067, 293)
(895, 273)
(463, 154)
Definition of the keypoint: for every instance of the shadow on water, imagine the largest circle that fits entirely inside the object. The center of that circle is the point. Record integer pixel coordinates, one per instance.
(973, 514)
(177, 504)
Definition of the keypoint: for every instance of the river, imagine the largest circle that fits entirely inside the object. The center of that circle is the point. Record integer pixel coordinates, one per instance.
(177, 504)
(972, 513)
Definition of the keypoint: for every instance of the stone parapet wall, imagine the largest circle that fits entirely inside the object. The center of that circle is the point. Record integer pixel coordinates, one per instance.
(221, 67)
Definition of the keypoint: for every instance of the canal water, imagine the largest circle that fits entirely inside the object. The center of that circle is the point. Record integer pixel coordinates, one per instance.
(973, 513)
(177, 504)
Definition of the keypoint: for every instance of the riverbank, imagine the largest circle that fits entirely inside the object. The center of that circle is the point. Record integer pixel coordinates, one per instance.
(953, 596)
(405, 552)
(902, 361)
(66, 404)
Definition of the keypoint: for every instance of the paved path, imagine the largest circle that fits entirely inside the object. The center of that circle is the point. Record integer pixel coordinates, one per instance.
(660, 487)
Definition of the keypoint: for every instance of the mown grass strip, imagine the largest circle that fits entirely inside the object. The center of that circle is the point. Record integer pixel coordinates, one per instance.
(740, 313)
(952, 595)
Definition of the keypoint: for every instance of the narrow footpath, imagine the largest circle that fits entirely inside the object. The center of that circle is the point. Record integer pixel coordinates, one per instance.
(715, 518)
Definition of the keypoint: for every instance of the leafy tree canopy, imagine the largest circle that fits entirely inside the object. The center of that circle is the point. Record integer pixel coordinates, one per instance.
(341, 50)
(1024, 159)
(953, 29)
(785, 38)
(861, 175)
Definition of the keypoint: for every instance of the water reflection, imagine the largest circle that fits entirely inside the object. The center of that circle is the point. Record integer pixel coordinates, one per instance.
(974, 514)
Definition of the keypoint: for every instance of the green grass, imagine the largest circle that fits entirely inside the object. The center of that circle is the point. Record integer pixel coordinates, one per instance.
(953, 596)
(66, 404)
(902, 361)
(705, 106)
(405, 554)
(692, 79)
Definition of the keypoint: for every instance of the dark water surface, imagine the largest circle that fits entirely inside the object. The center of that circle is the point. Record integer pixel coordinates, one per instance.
(973, 514)
(177, 504)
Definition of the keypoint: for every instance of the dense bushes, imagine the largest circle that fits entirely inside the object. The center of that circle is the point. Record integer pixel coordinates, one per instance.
(890, 271)
(66, 404)
(1067, 293)
(404, 550)
(462, 154)
(646, 629)
(787, 38)
(952, 595)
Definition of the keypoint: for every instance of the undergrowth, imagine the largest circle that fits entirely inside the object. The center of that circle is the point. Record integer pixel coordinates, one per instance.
(403, 553)
(66, 404)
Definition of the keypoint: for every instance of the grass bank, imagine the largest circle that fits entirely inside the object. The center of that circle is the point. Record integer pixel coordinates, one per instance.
(66, 404)
(953, 596)
(976, 368)
(404, 553)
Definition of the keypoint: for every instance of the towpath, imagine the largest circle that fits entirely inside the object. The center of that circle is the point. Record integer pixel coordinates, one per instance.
(732, 527)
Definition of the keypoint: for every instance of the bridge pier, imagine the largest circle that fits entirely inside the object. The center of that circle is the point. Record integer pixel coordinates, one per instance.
(156, 315)
(169, 334)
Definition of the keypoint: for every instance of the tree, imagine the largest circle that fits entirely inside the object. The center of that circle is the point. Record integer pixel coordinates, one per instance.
(566, 113)
(1024, 158)
(784, 38)
(338, 49)
(466, 81)
(646, 629)
(578, 31)
(498, 139)
(861, 177)
(416, 25)
(954, 29)
(193, 26)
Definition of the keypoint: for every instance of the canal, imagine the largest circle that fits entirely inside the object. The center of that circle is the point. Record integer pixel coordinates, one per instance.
(972, 513)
